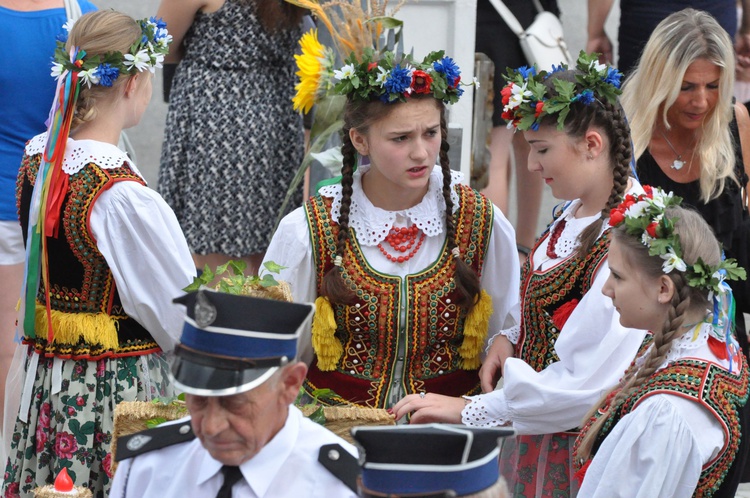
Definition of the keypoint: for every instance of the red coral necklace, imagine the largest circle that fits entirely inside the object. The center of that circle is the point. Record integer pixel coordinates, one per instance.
(554, 236)
(402, 239)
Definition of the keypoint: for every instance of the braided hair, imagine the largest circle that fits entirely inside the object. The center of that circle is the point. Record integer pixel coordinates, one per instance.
(610, 118)
(360, 115)
(697, 241)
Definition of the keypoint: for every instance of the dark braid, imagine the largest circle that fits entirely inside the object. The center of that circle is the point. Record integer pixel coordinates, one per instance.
(467, 280)
(333, 286)
(620, 154)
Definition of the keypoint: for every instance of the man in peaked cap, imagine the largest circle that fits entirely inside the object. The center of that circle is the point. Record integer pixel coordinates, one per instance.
(236, 362)
(430, 461)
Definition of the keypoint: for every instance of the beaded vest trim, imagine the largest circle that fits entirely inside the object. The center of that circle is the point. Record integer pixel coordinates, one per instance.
(367, 328)
(87, 314)
(544, 292)
(709, 384)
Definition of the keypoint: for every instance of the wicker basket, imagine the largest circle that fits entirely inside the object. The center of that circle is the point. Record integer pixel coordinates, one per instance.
(341, 419)
(131, 417)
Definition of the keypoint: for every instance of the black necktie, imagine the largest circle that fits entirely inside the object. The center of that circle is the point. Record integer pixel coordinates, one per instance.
(231, 476)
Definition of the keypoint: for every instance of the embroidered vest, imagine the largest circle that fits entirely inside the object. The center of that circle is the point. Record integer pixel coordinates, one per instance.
(549, 297)
(369, 328)
(88, 320)
(706, 383)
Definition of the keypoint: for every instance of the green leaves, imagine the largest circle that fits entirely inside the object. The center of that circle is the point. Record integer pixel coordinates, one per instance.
(235, 281)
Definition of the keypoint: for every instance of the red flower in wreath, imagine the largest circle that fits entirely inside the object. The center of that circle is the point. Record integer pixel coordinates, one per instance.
(421, 82)
(561, 314)
(371, 66)
(651, 229)
(538, 109)
(456, 81)
(506, 92)
(616, 216)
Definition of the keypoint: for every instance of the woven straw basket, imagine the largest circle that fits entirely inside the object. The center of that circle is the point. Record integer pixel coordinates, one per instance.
(341, 419)
(131, 417)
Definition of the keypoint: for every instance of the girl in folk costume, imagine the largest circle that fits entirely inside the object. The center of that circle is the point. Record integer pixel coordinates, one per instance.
(671, 427)
(569, 346)
(408, 267)
(105, 257)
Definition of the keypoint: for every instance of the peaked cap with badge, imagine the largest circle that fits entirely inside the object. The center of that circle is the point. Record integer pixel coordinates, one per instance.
(230, 344)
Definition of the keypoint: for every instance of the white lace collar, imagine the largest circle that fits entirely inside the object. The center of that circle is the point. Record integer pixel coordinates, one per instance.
(79, 153)
(567, 243)
(696, 337)
(372, 224)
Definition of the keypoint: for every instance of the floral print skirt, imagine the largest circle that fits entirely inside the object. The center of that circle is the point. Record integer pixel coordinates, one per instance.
(539, 466)
(71, 418)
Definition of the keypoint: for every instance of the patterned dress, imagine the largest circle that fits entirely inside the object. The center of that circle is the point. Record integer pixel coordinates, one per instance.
(95, 354)
(232, 142)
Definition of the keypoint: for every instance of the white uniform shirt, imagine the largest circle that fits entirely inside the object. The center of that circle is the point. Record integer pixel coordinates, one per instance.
(593, 348)
(660, 448)
(286, 467)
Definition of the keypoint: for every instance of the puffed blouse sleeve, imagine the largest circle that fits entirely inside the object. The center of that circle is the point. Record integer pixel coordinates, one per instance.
(594, 351)
(143, 244)
(658, 449)
(501, 274)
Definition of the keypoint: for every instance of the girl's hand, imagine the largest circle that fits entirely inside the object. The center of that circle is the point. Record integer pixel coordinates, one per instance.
(492, 367)
(430, 407)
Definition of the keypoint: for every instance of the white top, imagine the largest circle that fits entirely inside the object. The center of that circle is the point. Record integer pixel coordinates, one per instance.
(659, 448)
(594, 351)
(139, 237)
(286, 467)
(291, 247)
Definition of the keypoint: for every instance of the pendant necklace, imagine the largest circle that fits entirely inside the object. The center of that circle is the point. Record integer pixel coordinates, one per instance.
(678, 163)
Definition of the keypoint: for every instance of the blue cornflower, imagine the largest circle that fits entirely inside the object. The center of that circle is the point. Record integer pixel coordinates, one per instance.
(62, 36)
(448, 67)
(106, 74)
(527, 71)
(585, 97)
(160, 23)
(613, 77)
(534, 126)
(398, 81)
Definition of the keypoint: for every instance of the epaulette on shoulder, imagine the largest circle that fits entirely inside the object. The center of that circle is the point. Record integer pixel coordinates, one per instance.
(153, 439)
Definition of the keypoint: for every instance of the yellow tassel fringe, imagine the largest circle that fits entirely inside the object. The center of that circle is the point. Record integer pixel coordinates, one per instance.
(327, 348)
(475, 332)
(70, 328)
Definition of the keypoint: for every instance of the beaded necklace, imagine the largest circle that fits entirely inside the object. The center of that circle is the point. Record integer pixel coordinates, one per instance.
(402, 239)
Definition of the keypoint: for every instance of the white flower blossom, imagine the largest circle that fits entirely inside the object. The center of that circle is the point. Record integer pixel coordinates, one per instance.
(141, 60)
(476, 82)
(57, 70)
(69, 24)
(158, 59)
(661, 198)
(382, 76)
(672, 261)
(636, 210)
(517, 97)
(89, 76)
(598, 66)
(646, 239)
(344, 73)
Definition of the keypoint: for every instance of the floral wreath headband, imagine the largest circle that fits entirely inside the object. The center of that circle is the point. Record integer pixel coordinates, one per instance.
(644, 218)
(526, 100)
(146, 53)
(381, 75)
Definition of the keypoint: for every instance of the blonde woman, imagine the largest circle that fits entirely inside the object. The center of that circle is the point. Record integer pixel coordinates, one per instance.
(689, 137)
